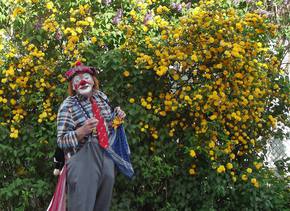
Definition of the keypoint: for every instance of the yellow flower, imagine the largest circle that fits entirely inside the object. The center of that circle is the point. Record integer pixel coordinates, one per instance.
(149, 99)
(194, 58)
(213, 117)
(175, 77)
(13, 102)
(219, 66)
(89, 19)
(145, 28)
(211, 40)
(159, 10)
(256, 184)
(258, 165)
(259, 3)
(253, 180)
(148, 106)
(207, 75)
(198, 96)
(249, 170)
(79, 30)
(13, 132)
(132, 100)
(155, 136)
(116, 122)
(17, 11)
(93, 40)
(10, 71)
(126, 73)
(211, 144)
(191, 171)
(192, 153)
(221, 169)
(276, 86)
(13, 86)
(161, 70)
(4, 100)
(144, 103)
(49, 5)
(244, 177)
(229, 166)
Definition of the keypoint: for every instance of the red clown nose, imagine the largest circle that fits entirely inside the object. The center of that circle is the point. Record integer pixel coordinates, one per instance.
(83, 82)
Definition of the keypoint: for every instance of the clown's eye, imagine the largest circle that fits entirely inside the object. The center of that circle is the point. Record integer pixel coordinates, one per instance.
(76, 79)
(87, 76)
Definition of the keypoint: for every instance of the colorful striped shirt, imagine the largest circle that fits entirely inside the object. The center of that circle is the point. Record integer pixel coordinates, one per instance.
(72, 114)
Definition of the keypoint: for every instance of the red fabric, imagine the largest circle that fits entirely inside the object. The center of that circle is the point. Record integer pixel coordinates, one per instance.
(101, 128)
(58, 201)
(78, 69)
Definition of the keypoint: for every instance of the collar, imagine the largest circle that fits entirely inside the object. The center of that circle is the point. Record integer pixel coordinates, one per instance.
(82, 97)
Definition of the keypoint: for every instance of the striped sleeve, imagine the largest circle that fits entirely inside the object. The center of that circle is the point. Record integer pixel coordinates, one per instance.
(66, 134)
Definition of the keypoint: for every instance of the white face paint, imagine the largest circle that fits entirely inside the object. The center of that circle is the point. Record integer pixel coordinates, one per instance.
(83, 84)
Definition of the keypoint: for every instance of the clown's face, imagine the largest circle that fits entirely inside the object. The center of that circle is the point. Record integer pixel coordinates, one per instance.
(83, 84)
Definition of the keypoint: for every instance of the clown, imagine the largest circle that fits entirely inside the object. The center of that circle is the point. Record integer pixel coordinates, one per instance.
(86, 135)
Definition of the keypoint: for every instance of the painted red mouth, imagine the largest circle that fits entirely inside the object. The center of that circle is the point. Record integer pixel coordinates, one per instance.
(84, 86)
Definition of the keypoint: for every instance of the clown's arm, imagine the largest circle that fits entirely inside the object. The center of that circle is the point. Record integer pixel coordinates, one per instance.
(66, 134)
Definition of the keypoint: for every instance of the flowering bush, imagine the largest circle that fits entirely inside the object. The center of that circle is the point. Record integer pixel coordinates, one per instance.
(201, 85)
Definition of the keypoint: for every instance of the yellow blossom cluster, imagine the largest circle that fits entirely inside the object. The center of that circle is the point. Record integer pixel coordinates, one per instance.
(14, 132)
(192, 170)
(217, 75)
(17, 11)
(147, 102)
(162, 9)
(116, 122)
(19, 114)
(28, 71)
(79, 23)
(253, 180)
(144, 127)
(50, 24)
(19, 81)
(210, 75)
(221, 169)
(47, 112)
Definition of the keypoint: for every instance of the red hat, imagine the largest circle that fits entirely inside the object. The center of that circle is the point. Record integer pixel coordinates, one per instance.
(79, 68)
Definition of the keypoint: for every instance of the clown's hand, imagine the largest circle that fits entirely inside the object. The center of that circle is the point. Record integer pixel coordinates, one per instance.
(119, 113)
(88, 127)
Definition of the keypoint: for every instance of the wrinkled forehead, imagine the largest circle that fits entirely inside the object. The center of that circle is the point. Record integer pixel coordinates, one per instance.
(80, 76)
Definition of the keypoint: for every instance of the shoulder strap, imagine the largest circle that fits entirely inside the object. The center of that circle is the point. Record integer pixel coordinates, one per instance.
(106, 101)
(82, 108)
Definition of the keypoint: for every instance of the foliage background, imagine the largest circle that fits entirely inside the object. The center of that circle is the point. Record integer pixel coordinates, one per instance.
(200, 82)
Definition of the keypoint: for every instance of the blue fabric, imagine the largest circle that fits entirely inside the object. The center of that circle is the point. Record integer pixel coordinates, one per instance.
(120, 152)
